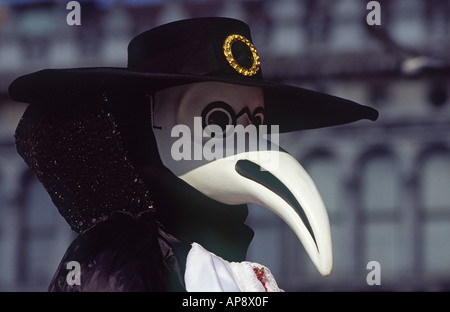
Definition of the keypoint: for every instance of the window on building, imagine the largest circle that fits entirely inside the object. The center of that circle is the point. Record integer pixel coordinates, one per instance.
(44, 237)
(35, 27)
(435, 194)
(380, 195)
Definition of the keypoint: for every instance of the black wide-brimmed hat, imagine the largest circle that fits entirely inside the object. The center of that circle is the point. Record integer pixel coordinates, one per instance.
(188, 51)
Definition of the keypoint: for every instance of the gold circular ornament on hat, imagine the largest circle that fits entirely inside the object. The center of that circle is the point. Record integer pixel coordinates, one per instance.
(250, 71)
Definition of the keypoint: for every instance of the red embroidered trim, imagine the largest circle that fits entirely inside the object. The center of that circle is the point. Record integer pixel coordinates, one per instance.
(260, 276)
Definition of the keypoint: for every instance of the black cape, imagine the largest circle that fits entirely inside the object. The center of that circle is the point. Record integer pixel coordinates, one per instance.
(147, 252)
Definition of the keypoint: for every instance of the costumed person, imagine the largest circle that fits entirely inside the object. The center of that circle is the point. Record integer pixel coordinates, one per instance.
(157, 206)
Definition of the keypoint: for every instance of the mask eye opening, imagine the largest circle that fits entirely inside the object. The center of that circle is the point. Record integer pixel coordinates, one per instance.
(218, 113)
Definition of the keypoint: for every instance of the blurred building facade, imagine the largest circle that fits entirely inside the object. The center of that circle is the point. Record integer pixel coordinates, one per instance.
(386, 184)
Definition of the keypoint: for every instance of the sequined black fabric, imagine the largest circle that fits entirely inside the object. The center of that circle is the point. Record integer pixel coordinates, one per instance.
(78, 156)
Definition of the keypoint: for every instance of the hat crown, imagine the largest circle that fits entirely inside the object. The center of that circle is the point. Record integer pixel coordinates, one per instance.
(192, 46)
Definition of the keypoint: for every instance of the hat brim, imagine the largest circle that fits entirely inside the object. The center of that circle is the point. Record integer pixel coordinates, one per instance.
(292, 108)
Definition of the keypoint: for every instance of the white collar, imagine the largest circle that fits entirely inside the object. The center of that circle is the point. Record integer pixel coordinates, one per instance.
(207, 272)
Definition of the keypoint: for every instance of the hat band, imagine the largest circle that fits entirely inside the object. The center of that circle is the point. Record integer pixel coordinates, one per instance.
(202, 59)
